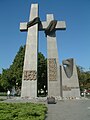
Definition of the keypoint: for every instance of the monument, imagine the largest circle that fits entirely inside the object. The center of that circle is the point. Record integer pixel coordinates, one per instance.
(57, 79)
(29, 78)
(53, 70)
(70, 84)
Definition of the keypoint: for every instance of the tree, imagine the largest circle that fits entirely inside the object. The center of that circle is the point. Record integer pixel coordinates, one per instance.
(6, 79)
(13, 76)
(17, 66)
(42, 72)
(1, 88)
(84, 78)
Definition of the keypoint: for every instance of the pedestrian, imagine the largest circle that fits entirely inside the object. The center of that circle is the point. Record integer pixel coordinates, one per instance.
(8, 94)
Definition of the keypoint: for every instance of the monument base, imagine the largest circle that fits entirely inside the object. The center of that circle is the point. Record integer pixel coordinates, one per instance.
(27, 87)
(70, 83)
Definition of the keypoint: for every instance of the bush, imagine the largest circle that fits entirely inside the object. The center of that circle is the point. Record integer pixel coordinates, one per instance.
(3, 94)
(22, 111)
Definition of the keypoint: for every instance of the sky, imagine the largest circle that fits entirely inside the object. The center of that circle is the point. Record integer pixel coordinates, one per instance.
(74, 42)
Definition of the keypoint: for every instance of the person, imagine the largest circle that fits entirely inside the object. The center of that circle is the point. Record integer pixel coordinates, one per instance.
(8, 94)
(85, 92)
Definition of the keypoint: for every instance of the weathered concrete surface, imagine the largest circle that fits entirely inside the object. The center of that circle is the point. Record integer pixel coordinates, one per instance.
(29, 86)
(54, 81)
(52, 53)
(69, 110)
(70, 82)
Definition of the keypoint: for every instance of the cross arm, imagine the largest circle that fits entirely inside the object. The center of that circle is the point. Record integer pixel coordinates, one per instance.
(61, 25)
(23, 26)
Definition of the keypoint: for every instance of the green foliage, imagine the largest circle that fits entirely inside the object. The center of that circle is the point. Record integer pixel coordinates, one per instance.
(3, 93)
(13, 75)
(42, 72)
(1, 88)
(5, 79)
(22, 111)
(17, 66)
(84, 78)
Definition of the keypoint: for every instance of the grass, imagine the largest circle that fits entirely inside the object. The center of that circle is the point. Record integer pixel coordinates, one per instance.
(22, 111)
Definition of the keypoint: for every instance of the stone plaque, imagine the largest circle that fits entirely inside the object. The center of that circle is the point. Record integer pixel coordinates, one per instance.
(30, 75)
(52, 69)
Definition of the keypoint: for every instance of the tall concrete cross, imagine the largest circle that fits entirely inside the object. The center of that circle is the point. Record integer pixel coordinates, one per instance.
(53, 67)
(29, 79)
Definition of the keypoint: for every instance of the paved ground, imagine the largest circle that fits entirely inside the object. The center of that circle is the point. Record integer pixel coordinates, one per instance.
(62, 110)
(69, 110)
(23, 100)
